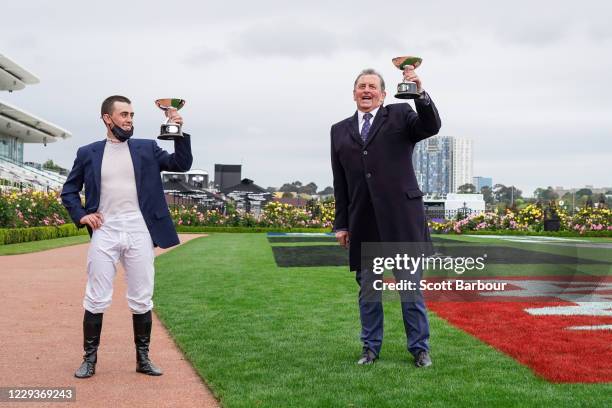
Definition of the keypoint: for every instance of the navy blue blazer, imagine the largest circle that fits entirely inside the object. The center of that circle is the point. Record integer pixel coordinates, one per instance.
(148, 160)
(377, 194)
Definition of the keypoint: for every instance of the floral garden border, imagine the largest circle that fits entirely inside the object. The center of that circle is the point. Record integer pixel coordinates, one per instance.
(561, 234)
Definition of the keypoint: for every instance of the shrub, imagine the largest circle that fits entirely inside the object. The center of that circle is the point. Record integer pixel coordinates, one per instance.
(19, 235)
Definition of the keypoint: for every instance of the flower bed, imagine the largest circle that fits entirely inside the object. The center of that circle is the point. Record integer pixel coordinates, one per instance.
(275, 215)
(31, 209)
(588, 221)
(24, 210)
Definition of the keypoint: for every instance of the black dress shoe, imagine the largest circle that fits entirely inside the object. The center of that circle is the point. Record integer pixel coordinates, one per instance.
(92, 327)
(367, 357)
(142, 338)
(422, 359)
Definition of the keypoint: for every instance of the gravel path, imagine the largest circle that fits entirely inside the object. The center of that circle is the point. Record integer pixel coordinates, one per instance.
(41, 338)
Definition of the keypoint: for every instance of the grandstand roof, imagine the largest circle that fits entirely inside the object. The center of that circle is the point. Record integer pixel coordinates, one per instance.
(246, 185)
(28, 128)
(14, 77)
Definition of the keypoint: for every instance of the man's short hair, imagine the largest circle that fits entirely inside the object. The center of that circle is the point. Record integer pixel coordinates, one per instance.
(370, 71)
(107, 105)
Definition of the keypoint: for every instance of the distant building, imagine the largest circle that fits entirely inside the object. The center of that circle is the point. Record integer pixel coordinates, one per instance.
(18, 127)
(227, 175)
(247, 186)
(479, 182)
(443, 163)
(248, 196)
(463, 164)
(189, 189)
(448, 207)
(433, 161)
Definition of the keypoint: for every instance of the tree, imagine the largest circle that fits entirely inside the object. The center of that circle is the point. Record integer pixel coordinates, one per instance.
(50, 165)
(467, 188)
(506, 195)
(487, 195)
(326, 191)
(584, 192)
(287, 194)
(545, 194)
(310, 188)
(271, 189)
(292, 187)
(288, 188)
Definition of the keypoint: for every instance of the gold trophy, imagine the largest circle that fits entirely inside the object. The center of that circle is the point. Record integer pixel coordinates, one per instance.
(406, 89)
(169, 130)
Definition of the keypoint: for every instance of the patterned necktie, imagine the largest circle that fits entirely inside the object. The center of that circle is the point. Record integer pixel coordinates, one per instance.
(366, 126)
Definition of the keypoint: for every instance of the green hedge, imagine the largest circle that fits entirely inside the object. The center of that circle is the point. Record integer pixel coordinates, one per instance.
(565, 234)
(19, 235)
(188, 229)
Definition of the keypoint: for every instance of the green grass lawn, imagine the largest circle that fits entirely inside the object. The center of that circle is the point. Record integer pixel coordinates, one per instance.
(289, 337)
(36, 246)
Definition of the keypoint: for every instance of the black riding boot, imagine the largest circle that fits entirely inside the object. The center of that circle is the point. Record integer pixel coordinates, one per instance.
(92, 327)
(142, 339)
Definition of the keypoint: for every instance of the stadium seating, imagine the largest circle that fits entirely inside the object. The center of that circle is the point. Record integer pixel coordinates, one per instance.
(30, 177)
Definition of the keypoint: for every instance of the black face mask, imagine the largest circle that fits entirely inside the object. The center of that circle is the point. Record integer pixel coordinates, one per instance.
(121, 134)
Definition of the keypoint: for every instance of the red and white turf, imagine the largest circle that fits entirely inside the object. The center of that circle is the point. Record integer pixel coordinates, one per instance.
(563, 335)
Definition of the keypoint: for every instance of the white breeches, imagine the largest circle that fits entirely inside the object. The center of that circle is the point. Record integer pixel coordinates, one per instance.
(122, 239)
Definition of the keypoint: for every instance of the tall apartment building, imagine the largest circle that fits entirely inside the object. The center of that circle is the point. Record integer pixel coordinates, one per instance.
(443, 163)
(479, 182)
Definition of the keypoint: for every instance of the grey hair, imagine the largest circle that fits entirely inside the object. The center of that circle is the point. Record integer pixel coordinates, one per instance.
(370, 71)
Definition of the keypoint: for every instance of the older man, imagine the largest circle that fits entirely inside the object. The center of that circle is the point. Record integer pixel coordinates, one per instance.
(378, 197)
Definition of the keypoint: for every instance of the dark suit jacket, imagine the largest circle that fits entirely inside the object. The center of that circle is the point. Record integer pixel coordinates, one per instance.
(148, 160)
(377, 195)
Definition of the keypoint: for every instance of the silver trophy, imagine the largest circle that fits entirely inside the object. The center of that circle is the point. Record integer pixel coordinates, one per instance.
(169, 130)
(406, 89)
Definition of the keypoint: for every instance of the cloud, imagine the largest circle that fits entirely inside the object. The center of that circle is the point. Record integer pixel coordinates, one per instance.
(204, 56)
(281, 39)
(298, 41)
(535, 33)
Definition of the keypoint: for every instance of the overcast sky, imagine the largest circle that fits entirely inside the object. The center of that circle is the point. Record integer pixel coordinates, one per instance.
(528, 81)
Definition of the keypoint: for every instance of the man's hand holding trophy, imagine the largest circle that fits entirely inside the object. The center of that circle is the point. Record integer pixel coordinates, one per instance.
(410, 87)
(172, 128)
